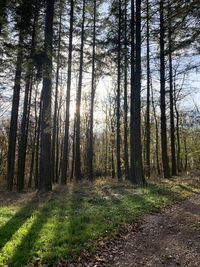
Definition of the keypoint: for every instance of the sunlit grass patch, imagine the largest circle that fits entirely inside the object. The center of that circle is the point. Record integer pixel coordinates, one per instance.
(75, 218)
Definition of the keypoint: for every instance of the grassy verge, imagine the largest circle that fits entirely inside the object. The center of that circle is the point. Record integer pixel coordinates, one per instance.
(73, 219)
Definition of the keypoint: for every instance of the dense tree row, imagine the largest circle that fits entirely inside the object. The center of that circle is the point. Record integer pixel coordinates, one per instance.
(95, 90)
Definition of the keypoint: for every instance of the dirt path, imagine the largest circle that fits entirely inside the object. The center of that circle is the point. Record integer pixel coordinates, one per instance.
(169, 239)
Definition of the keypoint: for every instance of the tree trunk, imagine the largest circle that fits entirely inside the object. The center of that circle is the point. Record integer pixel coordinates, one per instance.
(24, 134)
(60, 156)
(45, 183)
(36, 176)
(26, 109)
(138, 175)
(165, 160)
(58, 146)
(14, 115)
(65, 160)
(32, 158)
(73, 150)
(148, 137)
(106, 147)
(93, 88)
(157, 134)
(112, 148)
(126, 161)
(185, 152)
(178, 140)
(55, 117)
(78, 102)
(118, 137)
(172, 129)
(132, 176)
(34, 147)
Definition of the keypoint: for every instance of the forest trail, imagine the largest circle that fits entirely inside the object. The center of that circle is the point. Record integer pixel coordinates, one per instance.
(168, 239)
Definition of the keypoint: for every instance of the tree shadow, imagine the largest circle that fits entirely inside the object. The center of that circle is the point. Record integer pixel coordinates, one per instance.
(23, 252)
(85, 226)
(78, 218)
(70, 234)
(10, 227)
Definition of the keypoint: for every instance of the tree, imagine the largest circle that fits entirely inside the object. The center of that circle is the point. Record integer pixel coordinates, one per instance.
(118, 136)
(14, 116)
(55, 116)
(126, 156)
(156, 132)
(102, 51)
(23, 16)
(171, 92)
(78, 101)
(93, 88)
(165, 160)
(148, 137)
(34, 141)
(132, 176)
(45, 183)
(26, 108)
(65, 160)
(137, 168)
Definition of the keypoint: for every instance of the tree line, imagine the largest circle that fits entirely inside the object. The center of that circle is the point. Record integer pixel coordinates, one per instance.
(55, 56)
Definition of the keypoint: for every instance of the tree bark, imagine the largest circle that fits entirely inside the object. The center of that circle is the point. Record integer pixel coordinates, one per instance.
(178, 139)
(185, 152)
(156, 132)
(138, 175)
(55, 117)
(36, 174)
(14, 115)
(148, 131)
(118, 135)
(73, 150)
(33, 146)
(165, 160)
(45, 183)
(93, 88)
(132, 176)
(172, 128)
(126, 160)
(26, 109)
(78, 102)
(65, 160)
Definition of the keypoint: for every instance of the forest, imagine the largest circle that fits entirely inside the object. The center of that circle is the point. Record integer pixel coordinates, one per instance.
(99, 133)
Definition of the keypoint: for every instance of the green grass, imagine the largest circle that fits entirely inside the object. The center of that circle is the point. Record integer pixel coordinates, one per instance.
(75, 218)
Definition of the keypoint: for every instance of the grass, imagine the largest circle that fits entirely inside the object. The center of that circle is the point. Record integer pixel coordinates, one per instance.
(75, 218)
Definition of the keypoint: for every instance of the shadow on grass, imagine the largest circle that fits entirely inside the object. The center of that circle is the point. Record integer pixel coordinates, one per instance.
(10, 227)
(92, 216)
(69, 234)
(78, 219)
(24, 252)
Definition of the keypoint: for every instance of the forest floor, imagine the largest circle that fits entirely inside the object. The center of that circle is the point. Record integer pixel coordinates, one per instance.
(103, 224)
